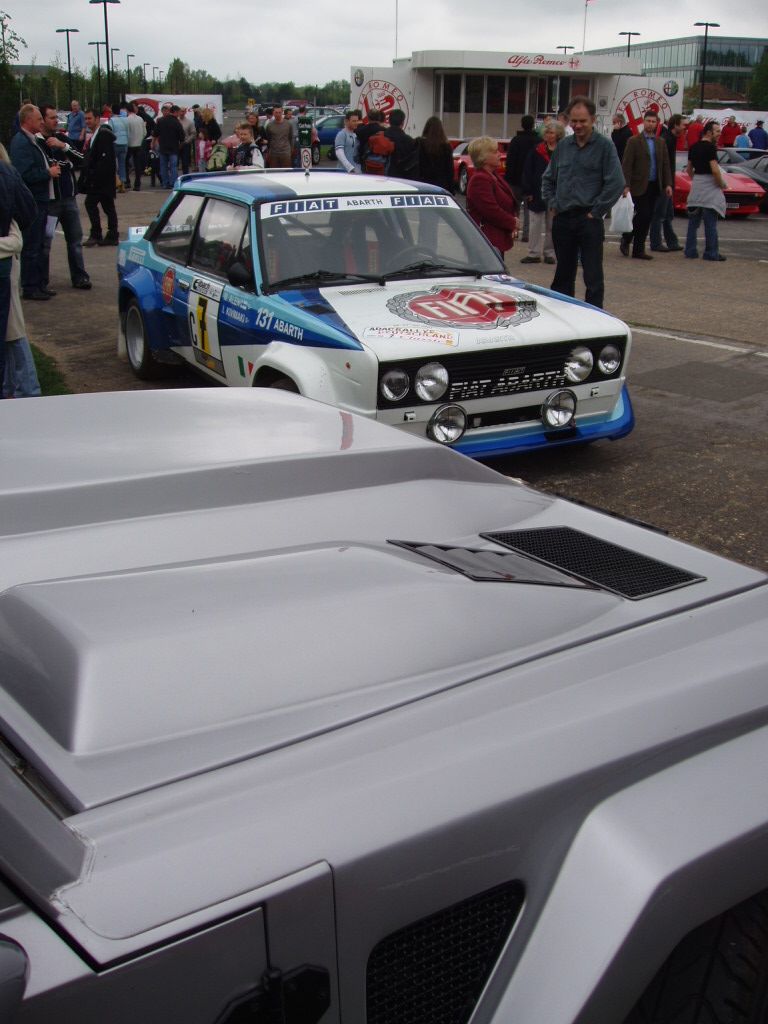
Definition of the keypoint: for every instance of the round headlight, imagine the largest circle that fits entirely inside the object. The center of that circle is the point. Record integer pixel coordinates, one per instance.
(394, 385)
(447, 424)
(431, 382)
(578, 365)
(609, 360)
(559, 410)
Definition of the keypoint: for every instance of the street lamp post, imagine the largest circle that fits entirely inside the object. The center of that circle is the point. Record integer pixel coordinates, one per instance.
(128, 68)
(706, 25)
(69, 59)
(629, 38)
(565, 49)
(146, 65)
(112, 51)
(154, 78)
(106, 38)
(98, 68)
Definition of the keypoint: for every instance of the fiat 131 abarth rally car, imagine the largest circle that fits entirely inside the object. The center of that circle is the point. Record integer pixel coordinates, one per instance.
(375, 295)
(305, 719)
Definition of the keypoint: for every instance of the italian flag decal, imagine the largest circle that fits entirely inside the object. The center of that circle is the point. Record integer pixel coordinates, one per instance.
(244, 366)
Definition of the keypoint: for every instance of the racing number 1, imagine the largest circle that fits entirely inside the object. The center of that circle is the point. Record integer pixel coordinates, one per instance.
(198, 326)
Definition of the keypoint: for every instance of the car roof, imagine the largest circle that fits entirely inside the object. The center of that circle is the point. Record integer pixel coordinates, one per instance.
(264, 186)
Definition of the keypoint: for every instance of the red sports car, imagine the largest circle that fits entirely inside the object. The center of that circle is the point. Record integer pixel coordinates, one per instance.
(463, 168)
(742, 195)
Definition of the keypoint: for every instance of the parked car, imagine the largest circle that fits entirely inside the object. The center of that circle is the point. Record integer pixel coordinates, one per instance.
(742, 195)
(750, 163)
(306, 720)
(463, 168)
(327, 130)
(379, 296)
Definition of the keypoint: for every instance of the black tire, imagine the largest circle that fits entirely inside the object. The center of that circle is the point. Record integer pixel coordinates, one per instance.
(718, 974)
(140, 357)
(463, 179)
(316, 154)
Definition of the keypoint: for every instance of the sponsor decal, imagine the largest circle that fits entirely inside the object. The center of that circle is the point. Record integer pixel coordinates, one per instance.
(236, 315)
(210, 289)
(237, 300)
(385, 96)
(638, 101)
(671, 88)
(136, 255)
(293, 207)
(464, 306)
(169, 280)
(302, 206)
(359, 77)
(399, 332)
(121, 258)
(421, 201)
(135, 233)
(267, 321)
(519, 60)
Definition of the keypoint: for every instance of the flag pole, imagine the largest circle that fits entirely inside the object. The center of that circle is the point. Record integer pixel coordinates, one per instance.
(584, 35)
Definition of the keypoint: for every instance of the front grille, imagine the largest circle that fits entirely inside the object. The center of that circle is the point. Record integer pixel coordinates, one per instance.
(504, 371)
(596, 561)
(433, 971)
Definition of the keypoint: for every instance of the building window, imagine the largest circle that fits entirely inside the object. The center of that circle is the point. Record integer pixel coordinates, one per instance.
(495, 107)
(451, 112)
(474, 97)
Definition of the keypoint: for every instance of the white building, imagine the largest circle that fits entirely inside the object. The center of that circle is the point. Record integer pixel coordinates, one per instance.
(483, 93)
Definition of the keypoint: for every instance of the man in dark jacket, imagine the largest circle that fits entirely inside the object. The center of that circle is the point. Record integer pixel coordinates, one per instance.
(63, 206)
(16, 203)
(648, 176)
(404, 161)
(621, 134)
(663, 211)
(519, 147)
(38, 174)
(170, 139)
(98, 180)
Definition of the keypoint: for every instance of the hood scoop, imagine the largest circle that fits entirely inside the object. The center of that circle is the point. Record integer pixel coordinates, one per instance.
(596, 562)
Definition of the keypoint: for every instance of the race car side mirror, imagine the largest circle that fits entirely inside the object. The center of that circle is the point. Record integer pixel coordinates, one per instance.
(240, 276)
(14, 969)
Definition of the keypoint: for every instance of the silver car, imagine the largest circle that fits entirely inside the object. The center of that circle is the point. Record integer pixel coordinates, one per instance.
(306, 719)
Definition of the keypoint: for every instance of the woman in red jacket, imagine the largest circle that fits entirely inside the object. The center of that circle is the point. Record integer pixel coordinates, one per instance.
(490, 202)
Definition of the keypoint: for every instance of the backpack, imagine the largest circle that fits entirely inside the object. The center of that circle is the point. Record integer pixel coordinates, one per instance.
(217, 161)
(377, 158)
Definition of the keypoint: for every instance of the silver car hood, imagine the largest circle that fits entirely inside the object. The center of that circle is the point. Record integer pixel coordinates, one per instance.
(209, 575)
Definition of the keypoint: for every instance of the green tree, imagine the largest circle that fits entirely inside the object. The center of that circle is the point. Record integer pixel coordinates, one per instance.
(10, 41)
(758, 87)
(10, 44)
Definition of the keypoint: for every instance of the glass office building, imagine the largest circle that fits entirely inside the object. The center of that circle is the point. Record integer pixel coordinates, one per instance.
(730, 59)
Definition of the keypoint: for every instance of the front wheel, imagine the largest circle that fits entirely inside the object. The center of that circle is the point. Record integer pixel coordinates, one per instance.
(285, 384)
(718, 974)
(140, 356)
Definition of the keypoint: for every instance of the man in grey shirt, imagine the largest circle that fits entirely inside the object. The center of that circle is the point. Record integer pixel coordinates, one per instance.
(582, 182)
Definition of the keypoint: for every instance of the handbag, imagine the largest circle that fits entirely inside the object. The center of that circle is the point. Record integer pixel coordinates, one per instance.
(622, 215)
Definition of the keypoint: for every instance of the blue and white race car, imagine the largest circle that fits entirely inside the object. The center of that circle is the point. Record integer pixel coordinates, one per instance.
(375, 295)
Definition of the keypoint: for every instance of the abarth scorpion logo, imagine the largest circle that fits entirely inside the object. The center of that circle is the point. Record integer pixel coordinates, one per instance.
(464, 306)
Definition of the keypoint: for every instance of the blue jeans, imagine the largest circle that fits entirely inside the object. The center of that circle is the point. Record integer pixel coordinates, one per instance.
(711, 247)
(575, 237)
(663, 212)
(20, 377)
(5, 306)
(169, 163)
(31, 254)
(69, 217)
(120, 152)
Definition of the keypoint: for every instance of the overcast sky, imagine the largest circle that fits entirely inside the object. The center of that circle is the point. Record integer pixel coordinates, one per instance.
(309, 42)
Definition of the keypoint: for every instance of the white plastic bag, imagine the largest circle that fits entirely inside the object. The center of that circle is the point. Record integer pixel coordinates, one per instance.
(622, 215)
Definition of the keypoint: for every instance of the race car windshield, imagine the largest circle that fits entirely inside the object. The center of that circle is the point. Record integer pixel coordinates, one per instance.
(339, 240)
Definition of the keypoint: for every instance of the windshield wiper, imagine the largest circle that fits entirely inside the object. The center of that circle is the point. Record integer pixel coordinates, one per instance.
(423, 266)
(323, 275)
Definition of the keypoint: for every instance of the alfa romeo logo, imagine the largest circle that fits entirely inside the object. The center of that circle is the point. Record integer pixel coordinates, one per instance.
(635, 104)
(464, 306)
(383, 96)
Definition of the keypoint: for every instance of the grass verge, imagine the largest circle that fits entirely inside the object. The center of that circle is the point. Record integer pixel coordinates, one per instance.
(51, 379)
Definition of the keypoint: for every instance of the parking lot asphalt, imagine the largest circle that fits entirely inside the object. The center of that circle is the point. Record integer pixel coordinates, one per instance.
(695, 464)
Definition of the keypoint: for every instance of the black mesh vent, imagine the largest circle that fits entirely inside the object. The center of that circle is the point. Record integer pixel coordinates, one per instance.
(596, 561)
(433, 971)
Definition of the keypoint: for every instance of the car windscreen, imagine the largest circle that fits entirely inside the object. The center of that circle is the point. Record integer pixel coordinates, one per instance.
(370, 236)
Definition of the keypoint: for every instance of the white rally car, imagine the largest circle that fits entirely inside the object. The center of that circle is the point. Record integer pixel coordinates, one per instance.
(375, 295)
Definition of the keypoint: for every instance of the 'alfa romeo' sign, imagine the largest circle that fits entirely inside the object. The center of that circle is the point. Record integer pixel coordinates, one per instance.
(464, 306)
